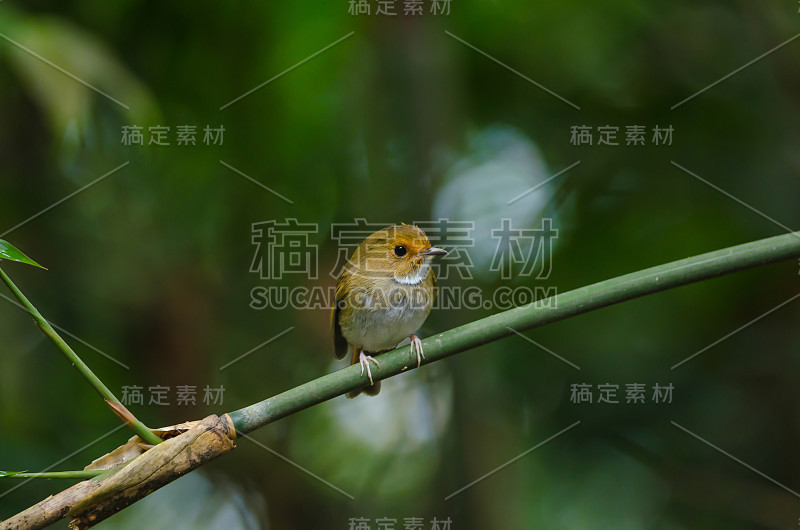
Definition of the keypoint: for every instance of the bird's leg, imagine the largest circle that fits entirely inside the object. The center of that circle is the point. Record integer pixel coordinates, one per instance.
(416, 345)
(364, 360)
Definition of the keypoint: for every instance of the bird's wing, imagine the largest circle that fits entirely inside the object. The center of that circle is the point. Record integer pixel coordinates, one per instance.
(339, 342)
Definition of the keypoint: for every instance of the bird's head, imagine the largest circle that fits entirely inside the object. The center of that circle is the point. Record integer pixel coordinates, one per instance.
(402, 252)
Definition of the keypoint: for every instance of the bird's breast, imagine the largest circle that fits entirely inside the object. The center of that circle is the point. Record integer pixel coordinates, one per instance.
(378, 318)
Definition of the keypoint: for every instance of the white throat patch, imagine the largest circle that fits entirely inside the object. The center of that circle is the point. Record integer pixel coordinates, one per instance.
(415, 277)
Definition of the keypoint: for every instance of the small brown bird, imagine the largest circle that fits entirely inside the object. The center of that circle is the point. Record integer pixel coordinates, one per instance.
(383, 295)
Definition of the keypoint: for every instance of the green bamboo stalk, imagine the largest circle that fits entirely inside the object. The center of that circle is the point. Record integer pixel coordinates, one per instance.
(137, 426)
(492, 328)
(560, 307)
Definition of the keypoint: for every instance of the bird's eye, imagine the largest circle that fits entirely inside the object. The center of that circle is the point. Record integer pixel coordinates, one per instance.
(400, 251)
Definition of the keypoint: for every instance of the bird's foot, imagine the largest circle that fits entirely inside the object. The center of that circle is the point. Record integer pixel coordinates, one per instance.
(416, 345)
(364, 360)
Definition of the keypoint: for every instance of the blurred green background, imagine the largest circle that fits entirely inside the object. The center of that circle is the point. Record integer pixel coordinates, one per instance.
(403, 122)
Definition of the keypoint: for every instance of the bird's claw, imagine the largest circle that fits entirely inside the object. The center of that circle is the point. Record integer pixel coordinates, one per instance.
(416, 345)
(364, 360)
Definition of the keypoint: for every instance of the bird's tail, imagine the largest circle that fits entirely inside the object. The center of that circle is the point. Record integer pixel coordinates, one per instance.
(370, 390)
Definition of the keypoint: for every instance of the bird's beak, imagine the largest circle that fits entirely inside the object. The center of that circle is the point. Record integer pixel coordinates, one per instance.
(433, 251)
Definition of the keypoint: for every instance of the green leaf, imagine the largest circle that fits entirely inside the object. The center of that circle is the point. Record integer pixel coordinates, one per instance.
(10, 252)
(10, 473)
